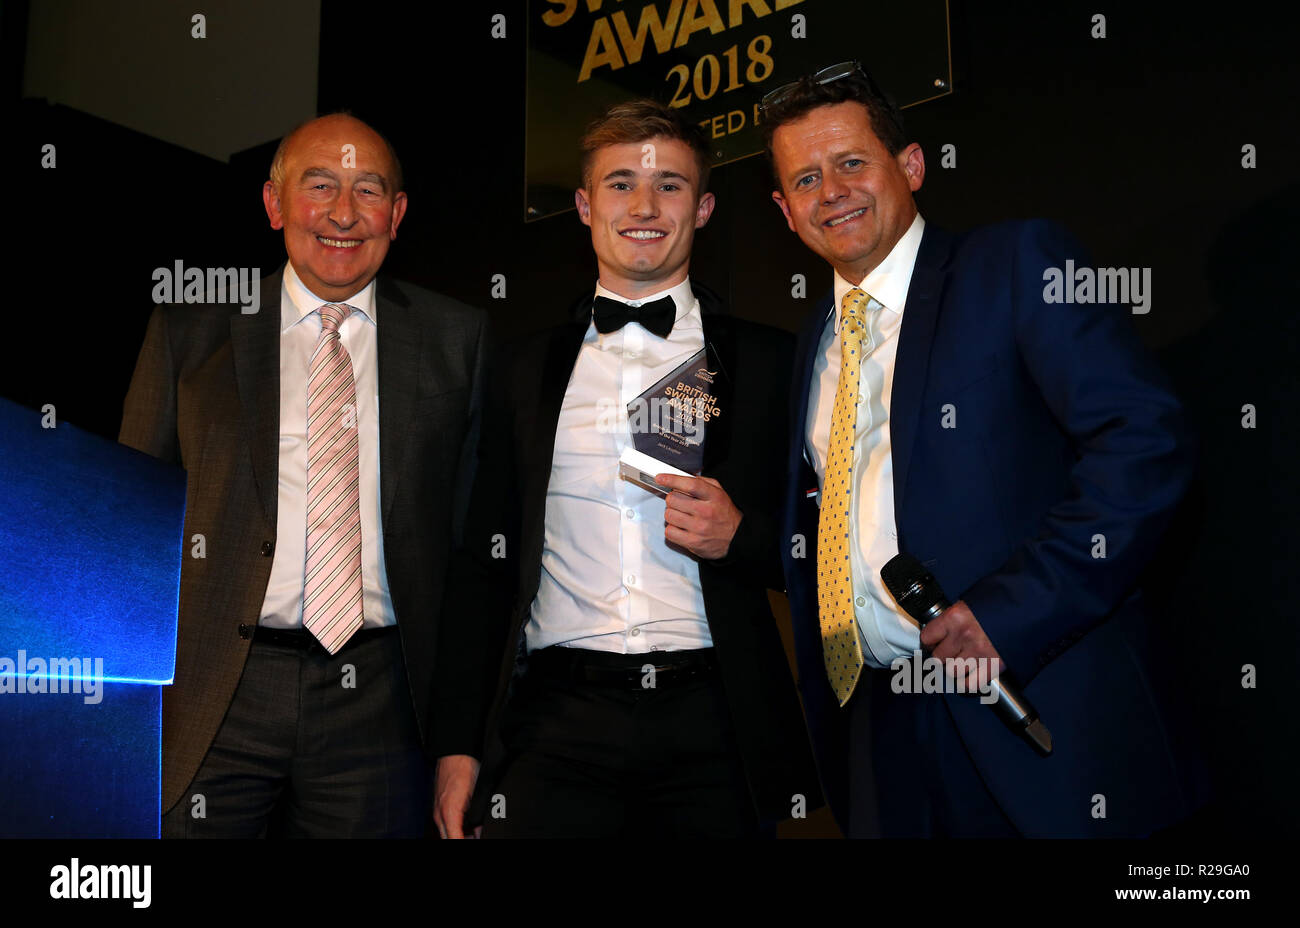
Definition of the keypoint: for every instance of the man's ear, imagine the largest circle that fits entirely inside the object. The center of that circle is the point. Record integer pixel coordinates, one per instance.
(271, 200)
(704, 209)
(399, 210)
(912, 161)
(584, 206)
(785, 209)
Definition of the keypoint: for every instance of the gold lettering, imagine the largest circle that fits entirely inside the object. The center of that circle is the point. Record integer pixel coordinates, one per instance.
(561, 16)
(649, 23)
(735, 15)
(700, 14)
(601, 38)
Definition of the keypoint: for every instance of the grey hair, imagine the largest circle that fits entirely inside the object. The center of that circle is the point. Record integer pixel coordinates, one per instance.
(277, 162)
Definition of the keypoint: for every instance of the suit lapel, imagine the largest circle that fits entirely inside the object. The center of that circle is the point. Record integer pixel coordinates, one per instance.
(255, 346)
(720, 341)
(912, 362)
(536, 439)
(805, 360)
(398, 343)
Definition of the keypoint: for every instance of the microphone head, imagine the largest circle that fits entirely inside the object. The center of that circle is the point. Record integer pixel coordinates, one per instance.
(913, 587)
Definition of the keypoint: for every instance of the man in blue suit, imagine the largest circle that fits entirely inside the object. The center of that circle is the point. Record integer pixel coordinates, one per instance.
(950, 404)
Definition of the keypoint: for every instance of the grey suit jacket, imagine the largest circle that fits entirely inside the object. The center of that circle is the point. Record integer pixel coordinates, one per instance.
(206, 395)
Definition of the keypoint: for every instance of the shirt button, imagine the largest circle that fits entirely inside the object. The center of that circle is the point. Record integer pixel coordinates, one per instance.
(861, 600)
(631, 355)
(631, 513)
(635, 632)
(631, 579)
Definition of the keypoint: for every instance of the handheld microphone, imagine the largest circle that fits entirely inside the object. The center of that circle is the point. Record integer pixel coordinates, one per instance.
(923, 599)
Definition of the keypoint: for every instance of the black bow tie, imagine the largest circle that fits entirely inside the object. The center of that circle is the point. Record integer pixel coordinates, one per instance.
(656, 317)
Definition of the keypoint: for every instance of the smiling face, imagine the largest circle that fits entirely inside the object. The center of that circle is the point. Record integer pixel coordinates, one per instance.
(643, 213)
(842, 193)
(338, 220)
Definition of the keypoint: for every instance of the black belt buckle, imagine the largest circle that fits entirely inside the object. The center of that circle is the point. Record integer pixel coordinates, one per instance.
(297, 638)
(599, 668)
(303, 640)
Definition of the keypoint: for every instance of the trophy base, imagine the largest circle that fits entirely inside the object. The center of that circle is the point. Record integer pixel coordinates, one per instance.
(639, 468)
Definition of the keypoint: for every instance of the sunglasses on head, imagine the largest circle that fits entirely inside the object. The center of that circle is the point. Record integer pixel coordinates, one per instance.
(829, 75)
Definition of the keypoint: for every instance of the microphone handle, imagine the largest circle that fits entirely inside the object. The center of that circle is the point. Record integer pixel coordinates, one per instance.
(1013, 708)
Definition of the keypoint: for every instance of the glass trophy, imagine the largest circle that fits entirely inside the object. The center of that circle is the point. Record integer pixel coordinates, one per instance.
(666, 425)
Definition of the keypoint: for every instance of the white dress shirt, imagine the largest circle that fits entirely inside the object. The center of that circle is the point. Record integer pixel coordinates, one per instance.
(609, 580)
(299, 332)
(886, 630)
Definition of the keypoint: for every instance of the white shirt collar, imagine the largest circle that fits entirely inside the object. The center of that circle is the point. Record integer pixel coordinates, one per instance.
(688, 314)
(889, 281)
(302, 302)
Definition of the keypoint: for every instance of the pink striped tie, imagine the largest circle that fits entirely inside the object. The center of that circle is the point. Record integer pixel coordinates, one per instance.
(331, 603)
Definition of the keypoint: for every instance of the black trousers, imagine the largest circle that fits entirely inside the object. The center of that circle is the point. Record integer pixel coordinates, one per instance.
(910, 774)
(602, 760)
(301, 753)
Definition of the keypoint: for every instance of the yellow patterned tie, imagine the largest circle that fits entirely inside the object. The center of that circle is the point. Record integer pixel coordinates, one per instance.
(841, 647)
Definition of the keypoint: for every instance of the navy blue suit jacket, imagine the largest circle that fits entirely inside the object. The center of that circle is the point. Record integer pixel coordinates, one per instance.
(1065, 429)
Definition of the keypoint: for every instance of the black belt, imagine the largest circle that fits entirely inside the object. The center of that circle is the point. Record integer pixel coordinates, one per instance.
(304, 640)
(630, 671)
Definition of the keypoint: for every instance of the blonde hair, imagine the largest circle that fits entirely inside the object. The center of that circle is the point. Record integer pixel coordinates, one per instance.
(636, 121)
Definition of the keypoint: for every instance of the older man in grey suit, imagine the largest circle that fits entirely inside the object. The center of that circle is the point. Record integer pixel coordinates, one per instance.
(327, 438)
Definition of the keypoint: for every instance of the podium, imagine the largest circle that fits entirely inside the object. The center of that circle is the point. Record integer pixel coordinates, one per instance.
(91, 541)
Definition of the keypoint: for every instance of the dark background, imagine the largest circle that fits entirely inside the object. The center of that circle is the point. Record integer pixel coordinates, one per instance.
(1134, 141)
